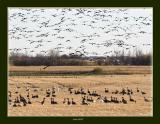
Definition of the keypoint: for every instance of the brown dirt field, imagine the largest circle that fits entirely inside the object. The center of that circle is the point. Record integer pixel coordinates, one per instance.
(98, 83)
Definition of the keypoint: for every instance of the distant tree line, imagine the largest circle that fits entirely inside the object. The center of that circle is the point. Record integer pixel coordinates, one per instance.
(54, 59)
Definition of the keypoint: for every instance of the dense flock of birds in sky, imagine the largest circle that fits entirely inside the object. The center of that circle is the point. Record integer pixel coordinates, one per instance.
(80, 31)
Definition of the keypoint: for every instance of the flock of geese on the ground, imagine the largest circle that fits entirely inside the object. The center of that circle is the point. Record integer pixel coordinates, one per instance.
(62, 27)
(87, 97)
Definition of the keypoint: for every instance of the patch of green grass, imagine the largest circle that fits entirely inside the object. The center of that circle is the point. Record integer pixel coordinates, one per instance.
(49, 73)
(98, 70)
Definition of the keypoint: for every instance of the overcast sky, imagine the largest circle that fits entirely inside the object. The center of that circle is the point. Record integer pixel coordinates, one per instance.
(85, 31)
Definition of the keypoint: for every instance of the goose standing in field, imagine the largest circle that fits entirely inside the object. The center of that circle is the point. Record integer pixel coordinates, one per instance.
(88, 92)
(75, 92)
(128, 90)
(82, 91)
(146, 100)
(27, 89)
(48, 93)
(52, 101)
(99, 97)
(28, 95)
(123, 91)
(70, 91)
(35, 90)
(124, 101)
(83, 97)
(90, 99)
(53, 92)
(105, 100)
(10, 94)
(115, 92)
(73, 103)
(142, 92)
(84, 102)
(106, 90)
(23, 100)
(131, 99)
(29, 102)
(131, 92)
(112, 99)
(17, 100)
(16, 92)
(34, 96)
(9, 99)
(68, 102)
(42, 102)
(64, 101)
(70, 88)
(137, 90)
(116, 100)
(14, 103)
(94, 93)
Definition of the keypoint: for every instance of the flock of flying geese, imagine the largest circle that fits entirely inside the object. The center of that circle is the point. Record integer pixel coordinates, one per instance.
(82, 31)
(87, 97)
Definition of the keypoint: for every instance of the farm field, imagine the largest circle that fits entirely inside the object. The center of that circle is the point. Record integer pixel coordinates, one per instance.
(80, 62)
(138, 77)
(131, 69)
(52, 70)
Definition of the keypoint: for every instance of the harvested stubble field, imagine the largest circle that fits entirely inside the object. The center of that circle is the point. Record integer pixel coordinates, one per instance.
(140, 77)
(76, 70)
(109, 69)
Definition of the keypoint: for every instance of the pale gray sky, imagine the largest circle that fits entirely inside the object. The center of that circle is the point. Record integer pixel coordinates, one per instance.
(88, 31)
